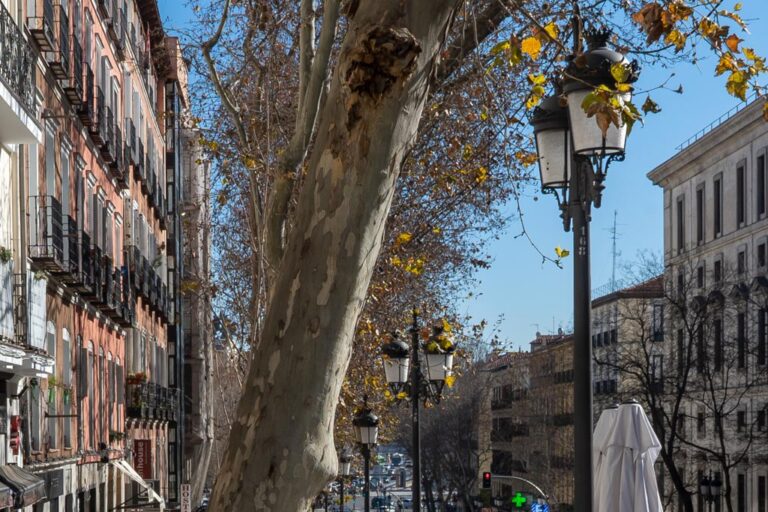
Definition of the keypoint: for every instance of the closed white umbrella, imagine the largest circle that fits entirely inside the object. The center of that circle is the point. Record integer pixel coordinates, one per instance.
(626, 448)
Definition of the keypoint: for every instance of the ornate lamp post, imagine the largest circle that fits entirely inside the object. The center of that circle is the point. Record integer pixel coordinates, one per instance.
(345, 470)
(574, 154)
(366, 432)
(710, 489)
(402, 368)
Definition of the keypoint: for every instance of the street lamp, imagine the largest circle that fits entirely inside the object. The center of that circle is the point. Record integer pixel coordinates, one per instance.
(345, 469)
(710, 489)
(402, 369)
(574, 154)
(366, 432)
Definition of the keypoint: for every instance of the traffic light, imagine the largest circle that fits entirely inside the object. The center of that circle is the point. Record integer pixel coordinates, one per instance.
(487, 480)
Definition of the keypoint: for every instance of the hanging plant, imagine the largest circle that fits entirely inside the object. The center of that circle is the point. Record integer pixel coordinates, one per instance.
(67, 394)
(51, 395)
(5, 254)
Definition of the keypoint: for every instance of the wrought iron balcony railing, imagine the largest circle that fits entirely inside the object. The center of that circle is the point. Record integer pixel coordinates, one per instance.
(41, 25)
(150, 401)
(83, 283)
(72, 255)
(58, 59)
(74, 86)
(87, 109)
(17, 61)
(99, 117)
(46, 238)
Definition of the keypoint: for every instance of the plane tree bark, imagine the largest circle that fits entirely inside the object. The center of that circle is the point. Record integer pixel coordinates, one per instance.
(281, 447)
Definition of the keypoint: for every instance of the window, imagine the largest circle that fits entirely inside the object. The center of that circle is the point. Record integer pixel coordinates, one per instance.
(700, 276)
(761, 493)
(718, 271)
(718, 335)
(680, 286)
(657, 371)
(91, 376)
(741, 421)
(762, 316)
(741, 261)
(680, 225)
(658, 322)
(761, 420)
(701, 350)
(741, 206)
(761, 255)
(700, 215)
(50, 395)
(760, 185)
(701, 424)
(680, 352)
(741, 340)
(741, 493)
(717, 225)
(66, 376)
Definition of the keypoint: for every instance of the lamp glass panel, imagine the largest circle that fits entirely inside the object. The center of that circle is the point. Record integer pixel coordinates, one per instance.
(439, 366)
(704, 489)
(553, 147)
(715, 487)
(396, 370)
(368, 435)
(587, 137)
(346, 468)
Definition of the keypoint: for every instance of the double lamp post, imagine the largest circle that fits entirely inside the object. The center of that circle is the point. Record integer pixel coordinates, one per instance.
(574, 154)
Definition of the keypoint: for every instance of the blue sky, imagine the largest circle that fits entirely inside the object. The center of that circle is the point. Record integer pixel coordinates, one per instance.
(532, 296)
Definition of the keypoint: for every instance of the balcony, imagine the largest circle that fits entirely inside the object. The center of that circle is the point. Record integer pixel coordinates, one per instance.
(17, 74)
(87, 109)
(96, 292)
(99, 117)
(149, 171)
(46, 237)
(84, 282)
(71, 252)
(109, 147)
(73, 88)
(130, 142)
(150, 401)
(139, 171)
(41, 25)
(127, 300)
(117, 165)
(58, 59)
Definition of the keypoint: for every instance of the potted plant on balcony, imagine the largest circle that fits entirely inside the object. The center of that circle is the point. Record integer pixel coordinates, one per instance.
(115, 436)
(136, 378)
(5, 254)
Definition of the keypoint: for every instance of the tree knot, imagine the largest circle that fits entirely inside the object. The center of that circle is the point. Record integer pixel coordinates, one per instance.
(381, 57)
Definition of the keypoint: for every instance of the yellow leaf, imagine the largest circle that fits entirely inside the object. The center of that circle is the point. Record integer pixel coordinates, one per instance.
(737, 85)
(620, 72)
(551, 30)
(561, 253)
(501, 47)
(446, 325)
(481, 175)
(537, 79)
(450, 380)
(402, 395)
(467, 153)
(623, 87)
(737, 7)
(436, 230)
(403, 238)
(484, 115)
(725, 63)
(676, 38)
(531, 46)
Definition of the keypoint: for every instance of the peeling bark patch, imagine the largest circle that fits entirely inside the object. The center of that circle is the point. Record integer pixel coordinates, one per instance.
(380, 58)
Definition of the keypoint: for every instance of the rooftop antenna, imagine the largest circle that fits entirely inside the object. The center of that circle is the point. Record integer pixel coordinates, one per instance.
(614, 236)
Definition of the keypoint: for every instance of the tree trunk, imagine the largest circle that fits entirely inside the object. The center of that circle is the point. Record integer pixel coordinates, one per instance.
(281, 450)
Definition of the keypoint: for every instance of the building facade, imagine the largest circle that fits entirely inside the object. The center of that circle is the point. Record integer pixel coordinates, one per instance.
(715, 256)
(531, 434)
(92, 110)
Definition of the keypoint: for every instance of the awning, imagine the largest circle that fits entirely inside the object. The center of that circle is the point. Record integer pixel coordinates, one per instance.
(6, 496)
(27, 487)
(131, 473)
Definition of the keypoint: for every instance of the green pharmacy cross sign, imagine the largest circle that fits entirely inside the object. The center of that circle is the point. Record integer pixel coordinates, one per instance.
(519, 500)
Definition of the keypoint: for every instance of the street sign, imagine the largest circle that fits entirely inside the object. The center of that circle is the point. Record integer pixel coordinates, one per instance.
(539, 507)
(186, 498)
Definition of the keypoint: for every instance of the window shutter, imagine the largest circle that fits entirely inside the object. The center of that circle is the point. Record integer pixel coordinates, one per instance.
(82, 373)
(120, 386)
